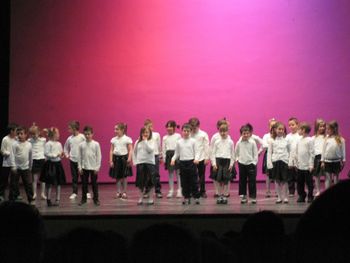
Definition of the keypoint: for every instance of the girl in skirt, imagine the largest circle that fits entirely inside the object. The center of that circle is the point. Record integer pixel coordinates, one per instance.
(318, 141)
(222, 161)
(333, 154)
(278, 153)
(120, 159)
(38, 149)
(145, 165)
(53, 173)
(168, 150)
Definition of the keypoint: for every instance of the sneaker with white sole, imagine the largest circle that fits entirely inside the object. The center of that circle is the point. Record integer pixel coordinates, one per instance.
(73, 196)
(170, 194)
(34, 196)
(179, 193)
(88, 196)
(140, 201)
(43, 197)
(317, 194)
(285, 200)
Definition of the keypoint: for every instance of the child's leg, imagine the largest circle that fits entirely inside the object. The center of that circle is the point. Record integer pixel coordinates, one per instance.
(285, 189)
(242, 179)
(140, 197)
(178, 181)
(35, 183)
(252, 181)
(118, 187)
(216, 187)
(27, 183)
(94, 176)
(43, 191)
(14, 185)
(335, 178)
(278, 190)
(318, 185)
(171, 182)
(267, 182)
(328, 180)
(58, 193)
(48, 192)
(85, 180)
(125, 184)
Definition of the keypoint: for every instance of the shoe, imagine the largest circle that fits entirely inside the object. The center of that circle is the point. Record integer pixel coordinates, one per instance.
(253, 201)
(43, 197)
(227, 195)
(310, 199)
(278, 201)
(50, 204)
(196, 201)
(118, 195)
(150, 202)
(2, 199)
(216, 195)
(88, 196)
(159, 195)
(291, 195)
(97, 203)
(185, 201)
(124, 196)
(82, 202)
(19, 198)
(219, 200)
(224, 201)
(179, 193)
(140, 202)
(57, 203)
(317, 194)
(301, 200)
(241, 196)
(145, 195)
(268, 194)
(244, 200)
(204, 195)
(170, 194)
(285, 201)
(73, 196)
(32, 203)
(34, 196)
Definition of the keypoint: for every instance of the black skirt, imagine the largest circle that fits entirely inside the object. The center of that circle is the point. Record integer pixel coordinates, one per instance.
(53, 173)
(145, 176)
(332, 167)
(318, 170)
(265, 170)
(120, 168)
(280, 171)
(222, 174)
(37, 166)
(168, 155)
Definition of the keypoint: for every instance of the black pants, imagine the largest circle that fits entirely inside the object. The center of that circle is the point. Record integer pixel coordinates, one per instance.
(27, 183)
(157, 186)
(189, 179)
(75, 176)
(292, 179)
(304, 176)
(247, 174)
(201, 175)
(4, 180)
(85, 180)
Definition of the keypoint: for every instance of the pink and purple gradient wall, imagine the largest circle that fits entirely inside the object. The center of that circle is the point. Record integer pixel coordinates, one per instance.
(102, 62)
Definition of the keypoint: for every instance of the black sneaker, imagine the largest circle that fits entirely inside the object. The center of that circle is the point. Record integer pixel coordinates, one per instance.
(97, 203)
(310, 199)
(159, 195)
(82, 202)
(204, 195)
(301, 200)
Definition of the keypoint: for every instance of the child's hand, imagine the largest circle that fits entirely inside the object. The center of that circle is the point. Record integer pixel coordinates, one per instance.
(206, 161)
(80, 171)
(14, 170)
(172, 163)
(196, 162)
(96, 172)
(215, 167)
(230, 168)
(111, 164)
(144, 138)
(311, 169)
(322, 165)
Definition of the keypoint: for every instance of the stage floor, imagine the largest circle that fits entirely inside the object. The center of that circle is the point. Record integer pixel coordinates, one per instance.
(110, 206)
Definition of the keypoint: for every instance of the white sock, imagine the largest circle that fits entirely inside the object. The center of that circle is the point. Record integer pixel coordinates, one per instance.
(318, 184)
(278, 190)
(118, 186)
(267, 184)
(125, 185)
(178, 179)
(171, 180)
(58, 193)
(328, 180)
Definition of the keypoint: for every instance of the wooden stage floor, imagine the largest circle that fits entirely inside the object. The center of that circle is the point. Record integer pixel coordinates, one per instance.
(125, 216)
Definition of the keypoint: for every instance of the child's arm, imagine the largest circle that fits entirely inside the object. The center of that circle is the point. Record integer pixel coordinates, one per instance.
(255, 153)
(206, 149)
(66, 148)
(212, 157)
(12, 157)
(233, 156)
(164, 148)
(5, 148)
(80, 159)
(176, 154)
(269, 155)
(130, 150)
(311, 154)
(98, 157)
(343, 152)
(111, 155)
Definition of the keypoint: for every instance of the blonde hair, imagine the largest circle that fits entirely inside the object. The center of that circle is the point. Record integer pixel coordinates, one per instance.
(318, 123)
(333, 125)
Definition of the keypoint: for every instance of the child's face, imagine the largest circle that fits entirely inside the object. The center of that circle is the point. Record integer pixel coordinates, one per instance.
(170, 130)
(246, 135)
(280, 130)
(223, 134)
(13, 133)
(293, 126)
(322, 128)
(88, 135)
(329, 131)
(22, 136)
(145, 134)
(150, 126)
(195, 129)
(271, 124)
(56, 136)
(119, 132)
(301, 132)
(71, 130)
(186, 133)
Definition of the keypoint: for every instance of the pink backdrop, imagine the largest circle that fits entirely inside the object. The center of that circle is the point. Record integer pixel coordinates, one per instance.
(102, 62)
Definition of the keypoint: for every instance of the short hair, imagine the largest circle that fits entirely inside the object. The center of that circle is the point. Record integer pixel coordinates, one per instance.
(75, 125)
(171, 124)
(305, 126)
(51, 132)
(221, 122)
(250, 127)
(147, 122)
(122, 126)
(194, 122)
(245, 128)
(293, 119)
(21, 129)
(88, 129)
(186, 126)
(11, 127)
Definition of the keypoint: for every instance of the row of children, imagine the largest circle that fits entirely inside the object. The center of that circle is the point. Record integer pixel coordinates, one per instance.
(287, 159)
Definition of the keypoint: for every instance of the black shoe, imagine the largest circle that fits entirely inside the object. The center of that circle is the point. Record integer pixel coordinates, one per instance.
(82, 202)
(97, 203)
(310, 199)
(204, 195)
(219, 201)
(159, 195)
(50, 204)
(301, 200)
(216, 195)
(196, 201)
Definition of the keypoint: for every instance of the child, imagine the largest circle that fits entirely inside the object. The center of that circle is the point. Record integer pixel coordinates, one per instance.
(71, 151)
(247, 157)
(318, 141)
(21, 160)
(304, 161)
(168, 150)
(187, 152)
(222, 161)
(6, 153)
(333, 154)
(202, 141)
(120, 159)
(53, 173)
(145, 165)
(157, 155)
(89, 163)
(278, 152)
(38, 148)
(214, 138)
(292, 137)
(267, 172)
